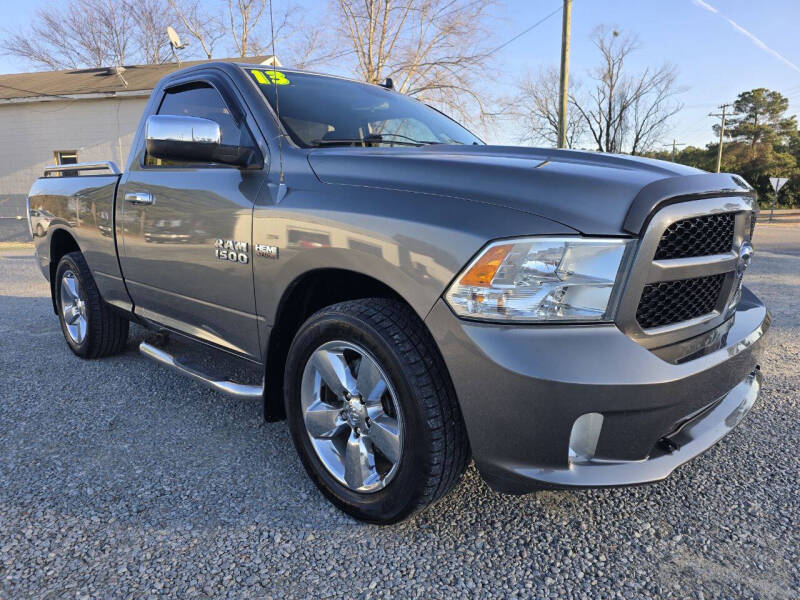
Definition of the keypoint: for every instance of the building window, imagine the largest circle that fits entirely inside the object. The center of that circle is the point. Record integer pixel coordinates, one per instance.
(66, 157)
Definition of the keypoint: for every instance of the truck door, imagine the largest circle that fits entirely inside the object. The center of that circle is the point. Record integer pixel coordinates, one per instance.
(186, 251)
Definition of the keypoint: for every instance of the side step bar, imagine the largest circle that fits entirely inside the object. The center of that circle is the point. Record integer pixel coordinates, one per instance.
(238, 390)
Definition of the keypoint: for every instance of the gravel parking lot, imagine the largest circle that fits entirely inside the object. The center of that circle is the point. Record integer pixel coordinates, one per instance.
(119, 478)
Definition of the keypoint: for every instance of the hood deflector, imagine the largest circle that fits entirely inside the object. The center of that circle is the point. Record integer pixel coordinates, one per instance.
(667, 191)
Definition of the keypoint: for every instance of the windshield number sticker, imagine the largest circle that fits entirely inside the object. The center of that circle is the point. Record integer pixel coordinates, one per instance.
(270, 77)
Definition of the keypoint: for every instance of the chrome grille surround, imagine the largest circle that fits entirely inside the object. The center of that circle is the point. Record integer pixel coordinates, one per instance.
(646, 270)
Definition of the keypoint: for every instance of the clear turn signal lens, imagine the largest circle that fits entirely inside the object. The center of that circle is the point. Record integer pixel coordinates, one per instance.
(542, 279)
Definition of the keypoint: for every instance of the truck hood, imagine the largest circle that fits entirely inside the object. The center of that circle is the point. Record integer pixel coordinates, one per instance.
(587, 191)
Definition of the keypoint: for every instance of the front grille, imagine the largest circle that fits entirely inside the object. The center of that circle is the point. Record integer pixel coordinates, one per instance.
(698, 236)
(668, 302)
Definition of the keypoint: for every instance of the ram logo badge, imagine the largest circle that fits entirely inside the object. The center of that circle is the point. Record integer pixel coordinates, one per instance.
(232, 250)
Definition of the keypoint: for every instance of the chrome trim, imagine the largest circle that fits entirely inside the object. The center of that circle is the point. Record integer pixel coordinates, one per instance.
(109, 165)
(701, 320)
(646, 270)
(173, 128)
(28, 212)
(238, 390)
(696, 266)
(140, 198)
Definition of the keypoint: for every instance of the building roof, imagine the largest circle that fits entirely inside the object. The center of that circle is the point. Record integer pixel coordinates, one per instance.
(134, 80)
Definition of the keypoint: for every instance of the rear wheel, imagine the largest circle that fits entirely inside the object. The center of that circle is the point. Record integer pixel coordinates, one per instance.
(90, 326)
(372, 410)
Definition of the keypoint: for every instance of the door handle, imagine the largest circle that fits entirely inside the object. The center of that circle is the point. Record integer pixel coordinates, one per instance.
(140, 198)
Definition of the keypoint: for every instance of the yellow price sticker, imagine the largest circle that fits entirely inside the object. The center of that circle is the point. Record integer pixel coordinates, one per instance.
(268, 77)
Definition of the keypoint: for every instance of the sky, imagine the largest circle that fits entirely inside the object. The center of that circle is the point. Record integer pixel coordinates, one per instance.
(720, 47)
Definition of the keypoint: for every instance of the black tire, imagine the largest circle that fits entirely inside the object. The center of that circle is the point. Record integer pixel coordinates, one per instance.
(106, 331)
(402, 346)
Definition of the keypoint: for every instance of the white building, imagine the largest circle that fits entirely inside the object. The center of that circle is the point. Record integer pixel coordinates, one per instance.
(62, 117)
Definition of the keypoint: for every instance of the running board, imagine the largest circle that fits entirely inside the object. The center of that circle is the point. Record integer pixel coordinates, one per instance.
(238, 390)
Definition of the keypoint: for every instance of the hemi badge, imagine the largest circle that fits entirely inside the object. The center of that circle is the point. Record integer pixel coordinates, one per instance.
(267, 251)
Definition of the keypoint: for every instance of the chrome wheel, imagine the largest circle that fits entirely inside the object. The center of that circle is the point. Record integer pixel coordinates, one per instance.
(352, 416)
(73, 307)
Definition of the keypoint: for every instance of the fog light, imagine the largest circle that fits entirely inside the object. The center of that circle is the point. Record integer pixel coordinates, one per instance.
(584, 437)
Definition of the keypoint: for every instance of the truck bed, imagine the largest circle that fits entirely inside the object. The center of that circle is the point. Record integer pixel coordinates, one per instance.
(83, 206)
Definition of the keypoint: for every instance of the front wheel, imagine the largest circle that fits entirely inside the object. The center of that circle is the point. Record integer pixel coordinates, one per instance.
(90, 326)
(372, 411)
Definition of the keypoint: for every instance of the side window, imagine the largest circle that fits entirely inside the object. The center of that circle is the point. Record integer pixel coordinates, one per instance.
(200, 100)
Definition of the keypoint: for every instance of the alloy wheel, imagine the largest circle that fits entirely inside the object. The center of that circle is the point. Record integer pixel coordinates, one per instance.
(352, 416)
(73, 306)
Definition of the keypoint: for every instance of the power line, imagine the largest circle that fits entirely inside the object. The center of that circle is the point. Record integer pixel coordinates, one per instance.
(493, 50)
(524, 31)
(488, 53)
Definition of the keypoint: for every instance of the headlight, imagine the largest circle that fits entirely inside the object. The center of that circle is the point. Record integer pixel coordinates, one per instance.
(542, 279)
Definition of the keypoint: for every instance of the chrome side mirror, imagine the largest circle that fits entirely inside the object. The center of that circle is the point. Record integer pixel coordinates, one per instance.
(192, 139)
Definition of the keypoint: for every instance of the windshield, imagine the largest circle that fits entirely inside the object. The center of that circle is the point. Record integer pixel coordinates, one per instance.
(317, 111)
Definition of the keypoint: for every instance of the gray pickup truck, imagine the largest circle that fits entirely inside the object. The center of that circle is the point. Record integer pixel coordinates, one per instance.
(407, 297)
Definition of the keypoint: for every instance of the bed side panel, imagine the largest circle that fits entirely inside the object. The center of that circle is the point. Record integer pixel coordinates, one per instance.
(84, 207)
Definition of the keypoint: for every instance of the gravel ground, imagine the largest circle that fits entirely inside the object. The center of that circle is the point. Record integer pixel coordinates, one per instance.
(119, 478)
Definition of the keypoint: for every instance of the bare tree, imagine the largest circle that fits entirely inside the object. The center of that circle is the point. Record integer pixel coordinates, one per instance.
(205, 27)
(623, 110)
(535, 106)
(151, 18)
(244, 17)
(432, 49)
(654, 104)
(305, 40)
(296, 41)
(245, 25)
(82, 33)
(93, 33)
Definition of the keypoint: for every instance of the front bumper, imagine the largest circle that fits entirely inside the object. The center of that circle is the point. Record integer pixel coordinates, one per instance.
(522, 388)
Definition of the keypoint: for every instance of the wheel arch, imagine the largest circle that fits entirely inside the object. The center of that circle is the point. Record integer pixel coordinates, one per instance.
(304, 296)
(61, 242)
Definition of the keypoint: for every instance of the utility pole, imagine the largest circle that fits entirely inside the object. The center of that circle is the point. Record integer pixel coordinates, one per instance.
(721, 133)
(674, 145)
(564, 95)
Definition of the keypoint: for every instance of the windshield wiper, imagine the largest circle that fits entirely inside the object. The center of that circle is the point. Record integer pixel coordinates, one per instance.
(405, 137)
(372, 139)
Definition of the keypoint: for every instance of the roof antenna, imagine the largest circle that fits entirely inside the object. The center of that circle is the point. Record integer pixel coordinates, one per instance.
(175, 43)
(388, 84)
(281, 184)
